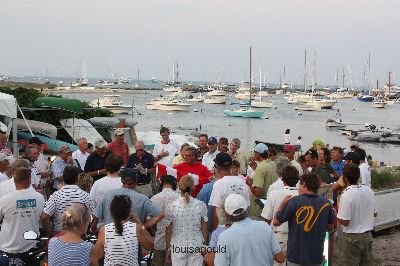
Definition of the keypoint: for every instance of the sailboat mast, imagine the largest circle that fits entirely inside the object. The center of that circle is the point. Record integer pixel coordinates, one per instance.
(305, 70)
(389, 85)
(250, 76)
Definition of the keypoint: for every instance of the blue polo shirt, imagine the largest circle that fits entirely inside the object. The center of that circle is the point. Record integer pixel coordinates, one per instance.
(204, 195)
(247, 242)
(338, 167)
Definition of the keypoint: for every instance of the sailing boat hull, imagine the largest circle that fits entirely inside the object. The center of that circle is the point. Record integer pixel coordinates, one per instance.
(248, 113)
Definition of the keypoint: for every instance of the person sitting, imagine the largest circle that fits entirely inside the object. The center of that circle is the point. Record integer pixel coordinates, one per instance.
(69, 248)
(118, 241)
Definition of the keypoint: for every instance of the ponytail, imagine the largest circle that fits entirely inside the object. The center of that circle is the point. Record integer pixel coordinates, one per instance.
(185, 186)
(120, 209)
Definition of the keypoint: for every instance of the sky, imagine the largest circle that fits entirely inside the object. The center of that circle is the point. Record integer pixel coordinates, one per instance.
(209, 38)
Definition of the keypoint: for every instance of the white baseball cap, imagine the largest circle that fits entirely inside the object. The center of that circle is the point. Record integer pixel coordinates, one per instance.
(235, 202)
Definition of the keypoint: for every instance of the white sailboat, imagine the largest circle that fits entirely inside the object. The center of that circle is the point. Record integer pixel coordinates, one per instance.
(245, 112)
(258, 102)
(137, 82)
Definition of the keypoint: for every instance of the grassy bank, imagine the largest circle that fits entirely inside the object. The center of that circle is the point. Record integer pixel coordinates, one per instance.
(385, 178)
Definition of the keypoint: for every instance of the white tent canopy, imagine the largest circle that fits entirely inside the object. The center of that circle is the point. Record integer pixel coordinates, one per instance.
(8, 108)
(8, 105)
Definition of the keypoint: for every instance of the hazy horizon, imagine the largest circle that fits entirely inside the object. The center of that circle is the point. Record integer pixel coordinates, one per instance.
(209, 39)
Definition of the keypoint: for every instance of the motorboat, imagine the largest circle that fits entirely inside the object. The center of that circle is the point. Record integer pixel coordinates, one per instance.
(330, 123)
(113, 103)
(216, 92)
(105, 83)
(379, 102)
(307, 107)
(172, 88)
(168, 104)
(323, 103)
(365, 98)
(215, 100)
(198, 98)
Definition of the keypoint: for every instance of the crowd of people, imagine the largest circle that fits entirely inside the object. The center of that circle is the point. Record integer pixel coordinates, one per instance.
(213, 204)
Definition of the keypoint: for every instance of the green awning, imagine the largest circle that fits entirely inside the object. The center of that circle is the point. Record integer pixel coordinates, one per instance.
(70, 105)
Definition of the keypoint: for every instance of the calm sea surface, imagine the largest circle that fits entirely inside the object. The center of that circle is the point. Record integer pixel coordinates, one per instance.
(309, 125)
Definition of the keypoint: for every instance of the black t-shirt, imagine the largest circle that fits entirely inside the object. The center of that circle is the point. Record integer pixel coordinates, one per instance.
(95, 162)
(147, 162)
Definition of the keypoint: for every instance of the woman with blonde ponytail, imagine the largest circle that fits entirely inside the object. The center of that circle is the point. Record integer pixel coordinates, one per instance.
(69, 248)
(186, 228)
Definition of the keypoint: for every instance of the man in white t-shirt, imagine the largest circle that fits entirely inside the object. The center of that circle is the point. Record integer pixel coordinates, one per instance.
(81, 154)
(20, 212)
(111, 181)
(290, 178)
(225, 186)
(208, 157)
(357, 209)
(365, 171)
(166, 150)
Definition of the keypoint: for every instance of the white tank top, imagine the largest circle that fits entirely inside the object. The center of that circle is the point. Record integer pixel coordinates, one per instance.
(121, 250)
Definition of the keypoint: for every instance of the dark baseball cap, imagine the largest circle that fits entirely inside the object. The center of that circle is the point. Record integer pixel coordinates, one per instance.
(353, 156)
(129, 175)
(212, 140)
(223, 159)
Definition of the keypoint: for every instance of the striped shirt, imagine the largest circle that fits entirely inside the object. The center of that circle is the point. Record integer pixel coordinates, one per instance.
(60, 200)
(121, 250)
(69, 254)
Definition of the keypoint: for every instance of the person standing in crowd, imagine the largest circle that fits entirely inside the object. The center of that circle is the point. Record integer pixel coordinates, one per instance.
(365, 170)
(165, 151)
(63, 160)
(20, 212)
(290, 178)
(85, 182)
(306, 239)
(303, 164)
(81, 154)
(246, 242)
(9, 185)
(286, 136)
(118, 242)
(4, 167)
(3, 145)
(311, 157)
(167, 195)
(95, 163)
(62, 199)
(209, 156)
(193, 168)
(32, 154)
(337, 160)
(203, 138)
(223, 144)
(90, 148)
(288, 152)
(119, 146)
(142, 206)
(179, 158)
(225, 186)
(235, 154)
(144, 163)
(265, 174)
(42, 163)
(111, 181)
(281, 162)
(205, 195)
(357, 210)
(186, 226)
(354, 145)
(69, 248)
(324, 158)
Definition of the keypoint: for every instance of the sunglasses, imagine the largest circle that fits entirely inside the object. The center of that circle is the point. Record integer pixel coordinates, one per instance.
(139, 149)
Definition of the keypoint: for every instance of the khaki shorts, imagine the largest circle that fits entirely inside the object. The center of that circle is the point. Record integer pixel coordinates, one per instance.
(356, 249)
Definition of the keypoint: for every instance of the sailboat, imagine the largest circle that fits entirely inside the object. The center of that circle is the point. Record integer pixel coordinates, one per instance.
(258, 102)
(137, 83)
(247, 112)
